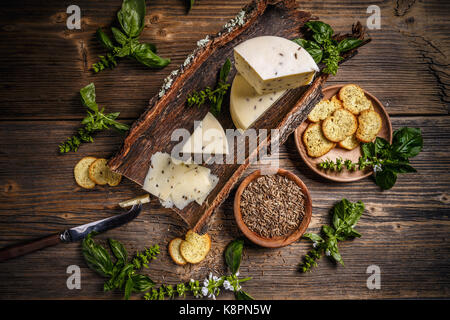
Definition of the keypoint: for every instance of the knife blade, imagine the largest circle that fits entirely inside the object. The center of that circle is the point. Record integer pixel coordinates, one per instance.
(71, 235)
(80, 232)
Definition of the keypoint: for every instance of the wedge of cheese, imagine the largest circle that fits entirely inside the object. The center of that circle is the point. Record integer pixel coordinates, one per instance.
(208, 137)
(176, 183)
(271, 63)
(246, 105)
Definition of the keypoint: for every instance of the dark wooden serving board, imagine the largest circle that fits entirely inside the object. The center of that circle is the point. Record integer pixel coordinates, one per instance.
(166, 112)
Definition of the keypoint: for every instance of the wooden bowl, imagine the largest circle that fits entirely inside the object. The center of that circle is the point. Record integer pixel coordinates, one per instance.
(274, 242)
(344, 175)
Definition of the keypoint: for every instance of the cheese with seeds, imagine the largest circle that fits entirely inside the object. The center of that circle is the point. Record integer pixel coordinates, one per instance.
(246, 105)
(208, 137)
(176, 183)
(270, 63)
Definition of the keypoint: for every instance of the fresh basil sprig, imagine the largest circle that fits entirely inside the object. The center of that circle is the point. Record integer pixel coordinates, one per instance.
(131, 19)
(215, 97)
(346, 215)
(385, 159)
(122, 273)
(96, 120)
(323, 48)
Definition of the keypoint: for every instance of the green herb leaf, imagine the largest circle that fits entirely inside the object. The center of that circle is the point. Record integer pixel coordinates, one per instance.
(145, 55)
(312, 47)
(94, 121)
(119, 36)
(233, 255)
(348, 44)
(142, 283)
(319, 27)
(242, 295)
(97, 258)
(104, 39)
(215, 97)
(313, 237)
(385, 179)
(407, 142)
(88, 97)
(131, 17)
(118, 250)
(128, 288)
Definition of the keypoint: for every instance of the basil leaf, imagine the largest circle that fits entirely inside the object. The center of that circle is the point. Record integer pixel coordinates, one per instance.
(334, 251)
(142, 283)
(329, 231)
(118, 250)
(131, 17)
(88, 97)
(385, 179)
(312, 48)
(242, 295)
(128, 288)
(97, 258)
(104, 39)
(407, 142)
(368, 150)
(119, 36)
(225, 70)
(123, 51)
(312, 236)
(144, 54)
(348, 44)
(398, 166)
(319, 38)
(233, 255)
(319, 27)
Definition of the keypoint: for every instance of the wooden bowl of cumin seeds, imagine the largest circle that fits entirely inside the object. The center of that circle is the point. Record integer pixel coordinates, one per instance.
(272, 210)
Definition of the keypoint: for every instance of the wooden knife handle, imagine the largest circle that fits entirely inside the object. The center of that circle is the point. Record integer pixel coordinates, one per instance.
(24, 248)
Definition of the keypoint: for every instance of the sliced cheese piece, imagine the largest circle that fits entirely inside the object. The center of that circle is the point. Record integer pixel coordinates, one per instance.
(176, 183)
(208, 137)
(157, 180)
(270, 63)
(246, 105)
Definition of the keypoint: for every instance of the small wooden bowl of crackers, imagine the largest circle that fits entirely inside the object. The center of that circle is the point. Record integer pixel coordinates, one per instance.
(346, 117)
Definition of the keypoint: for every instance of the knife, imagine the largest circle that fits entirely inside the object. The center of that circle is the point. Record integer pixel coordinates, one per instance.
(71, 235)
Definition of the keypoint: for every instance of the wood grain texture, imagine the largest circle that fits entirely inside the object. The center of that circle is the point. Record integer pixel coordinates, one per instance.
(405, 230)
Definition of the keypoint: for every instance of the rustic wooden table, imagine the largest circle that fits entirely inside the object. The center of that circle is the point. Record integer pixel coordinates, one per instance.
(43, 65)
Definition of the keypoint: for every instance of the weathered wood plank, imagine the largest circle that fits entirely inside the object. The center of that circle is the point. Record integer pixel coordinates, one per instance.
(405, 230)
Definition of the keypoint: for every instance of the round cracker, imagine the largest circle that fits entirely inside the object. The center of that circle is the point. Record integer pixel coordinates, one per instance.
(174, 251)
(98, 171)
(81, 173)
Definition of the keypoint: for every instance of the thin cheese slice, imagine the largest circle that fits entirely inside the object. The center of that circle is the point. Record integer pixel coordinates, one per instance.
(270, 63)
(208, 137)
(176, 183)
(246, 105)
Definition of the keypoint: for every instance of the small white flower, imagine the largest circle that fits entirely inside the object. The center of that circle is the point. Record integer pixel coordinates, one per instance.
(205, 283)
(205, 291)
(215, 278)
(237, 274)
(227, 285)
(377, 168)
(212, 296)
(328, 253)
(192, 280)
(315, 244)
